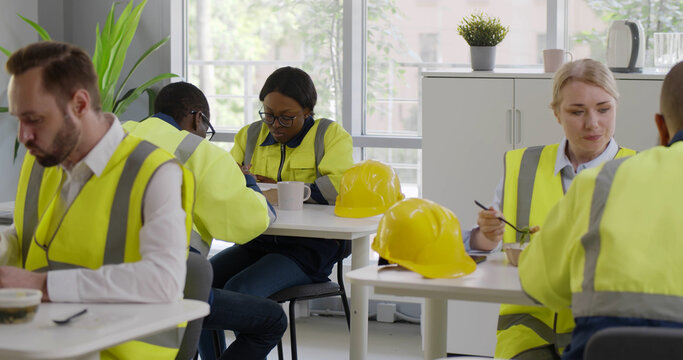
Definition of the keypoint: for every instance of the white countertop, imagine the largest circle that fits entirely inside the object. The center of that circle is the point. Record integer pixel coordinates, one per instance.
(527, 73)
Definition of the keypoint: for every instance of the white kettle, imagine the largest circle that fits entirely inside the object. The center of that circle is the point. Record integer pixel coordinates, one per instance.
(626, 46)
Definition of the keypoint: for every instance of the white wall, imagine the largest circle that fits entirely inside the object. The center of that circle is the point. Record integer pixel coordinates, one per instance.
(74, 21)
(14, 33)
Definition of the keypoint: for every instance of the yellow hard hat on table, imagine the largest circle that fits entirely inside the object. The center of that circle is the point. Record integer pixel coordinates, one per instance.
(367, 189)
(424, 237)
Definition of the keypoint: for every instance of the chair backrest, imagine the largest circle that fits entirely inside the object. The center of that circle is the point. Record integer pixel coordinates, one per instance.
(197, 287)
(635, 342)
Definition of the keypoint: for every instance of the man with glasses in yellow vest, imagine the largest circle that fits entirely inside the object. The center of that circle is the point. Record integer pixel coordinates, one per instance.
(99, 216)
(612, 249)
(228, 206)
(225, 208)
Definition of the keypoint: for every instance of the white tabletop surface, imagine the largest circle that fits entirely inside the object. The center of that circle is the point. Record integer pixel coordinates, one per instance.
(493, 281)
(103, 326)
(320, 221)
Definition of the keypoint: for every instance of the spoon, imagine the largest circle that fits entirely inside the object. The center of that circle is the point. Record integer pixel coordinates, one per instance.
(68, 319)
(500, 218)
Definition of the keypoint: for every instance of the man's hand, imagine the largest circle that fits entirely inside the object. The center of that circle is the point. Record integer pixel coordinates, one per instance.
(14, 277)
(489, 224)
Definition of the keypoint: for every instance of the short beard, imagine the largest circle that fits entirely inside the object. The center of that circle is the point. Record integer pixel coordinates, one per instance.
(63, 144)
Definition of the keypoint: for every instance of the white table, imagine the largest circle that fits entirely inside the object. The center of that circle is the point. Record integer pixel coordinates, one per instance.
(103, 326)
(319, 221)
(493, 281)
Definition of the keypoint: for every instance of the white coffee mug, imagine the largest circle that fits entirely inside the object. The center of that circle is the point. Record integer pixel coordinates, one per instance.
(554, 58)
(292, 194)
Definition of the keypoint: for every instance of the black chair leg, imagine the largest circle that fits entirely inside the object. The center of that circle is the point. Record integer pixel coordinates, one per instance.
(345, 302)
(292, 328)
(280, 355)
(217, 343)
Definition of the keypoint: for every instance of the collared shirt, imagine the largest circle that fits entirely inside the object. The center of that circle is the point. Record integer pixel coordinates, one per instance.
(160, 275)
(677, 137)
(562, 165)
(166, 118)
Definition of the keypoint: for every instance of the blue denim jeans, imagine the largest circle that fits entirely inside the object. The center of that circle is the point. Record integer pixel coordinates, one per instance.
(239, 270)
(259, 324)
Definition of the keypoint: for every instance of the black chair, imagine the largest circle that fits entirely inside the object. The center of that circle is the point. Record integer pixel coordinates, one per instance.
(314, 291)
(635, 342)
(197, 287)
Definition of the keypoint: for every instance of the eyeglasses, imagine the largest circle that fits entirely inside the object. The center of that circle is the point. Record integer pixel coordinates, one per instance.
(210, 132)
(285, 121)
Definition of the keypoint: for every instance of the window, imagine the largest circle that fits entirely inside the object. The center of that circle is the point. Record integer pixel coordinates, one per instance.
(233, 45)
(589, 21)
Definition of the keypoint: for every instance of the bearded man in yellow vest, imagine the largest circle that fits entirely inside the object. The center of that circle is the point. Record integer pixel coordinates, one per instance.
(99, 216)
(536, 178)
(616, 239)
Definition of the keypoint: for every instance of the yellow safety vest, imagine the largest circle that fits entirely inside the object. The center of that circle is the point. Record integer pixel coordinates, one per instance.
(530, 190)
(100, 227)
(621, 249)
(323, 156)
(220, 186)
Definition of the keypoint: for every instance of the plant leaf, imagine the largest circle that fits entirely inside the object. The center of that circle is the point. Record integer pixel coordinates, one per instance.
(5, 51)
(123, 105)
(151, 98)
(43, 34)
(149, 51)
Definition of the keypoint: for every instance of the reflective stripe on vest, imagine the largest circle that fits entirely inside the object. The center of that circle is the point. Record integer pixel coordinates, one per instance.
(187, 147)
(30, 218)
(319, 144)
(114, 249)
(612, 303)
(560, 340)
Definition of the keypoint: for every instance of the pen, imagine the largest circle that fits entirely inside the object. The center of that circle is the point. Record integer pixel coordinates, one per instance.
(499, 217)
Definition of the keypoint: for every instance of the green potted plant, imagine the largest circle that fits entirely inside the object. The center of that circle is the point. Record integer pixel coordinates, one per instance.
(111, 46)
(482, 33)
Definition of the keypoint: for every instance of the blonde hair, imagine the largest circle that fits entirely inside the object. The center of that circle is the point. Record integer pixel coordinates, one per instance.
(588, 71)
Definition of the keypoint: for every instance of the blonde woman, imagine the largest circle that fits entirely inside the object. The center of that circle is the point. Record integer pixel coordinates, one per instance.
(536, 178)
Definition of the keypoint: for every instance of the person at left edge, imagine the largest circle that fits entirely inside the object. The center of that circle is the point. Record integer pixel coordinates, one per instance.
(100, 216)
(225, 208)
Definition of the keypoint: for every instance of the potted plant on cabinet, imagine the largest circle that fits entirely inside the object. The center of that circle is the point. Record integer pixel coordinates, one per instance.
(482, 33)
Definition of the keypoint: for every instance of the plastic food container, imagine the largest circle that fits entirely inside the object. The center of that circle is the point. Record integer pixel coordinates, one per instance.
(18, 305)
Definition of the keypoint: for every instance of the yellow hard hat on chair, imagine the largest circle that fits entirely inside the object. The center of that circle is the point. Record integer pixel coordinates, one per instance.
(424, 237)
(367, 189)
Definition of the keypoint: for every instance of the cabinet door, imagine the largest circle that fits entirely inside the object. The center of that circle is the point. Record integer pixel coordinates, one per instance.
(638, 103)
(535, 123)
(464, 137)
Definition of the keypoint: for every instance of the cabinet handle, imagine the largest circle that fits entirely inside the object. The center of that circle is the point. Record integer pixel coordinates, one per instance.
(518, 127)
(509, 127)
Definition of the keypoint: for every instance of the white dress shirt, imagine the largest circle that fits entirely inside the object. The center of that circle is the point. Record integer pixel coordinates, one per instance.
(563, 165)
(160, 275)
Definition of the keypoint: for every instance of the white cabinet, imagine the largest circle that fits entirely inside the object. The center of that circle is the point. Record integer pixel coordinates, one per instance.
(469, 120)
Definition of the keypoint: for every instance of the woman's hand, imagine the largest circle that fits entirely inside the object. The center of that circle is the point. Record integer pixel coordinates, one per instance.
(490, 226)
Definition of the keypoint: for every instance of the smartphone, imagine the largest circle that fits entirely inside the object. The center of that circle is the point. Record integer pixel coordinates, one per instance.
(478, 258)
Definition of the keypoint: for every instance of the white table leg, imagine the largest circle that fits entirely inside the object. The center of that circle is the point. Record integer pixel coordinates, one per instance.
(360, 249)
(435, 327)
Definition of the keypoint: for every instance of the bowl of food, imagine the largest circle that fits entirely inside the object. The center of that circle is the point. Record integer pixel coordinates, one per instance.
(18, 305)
